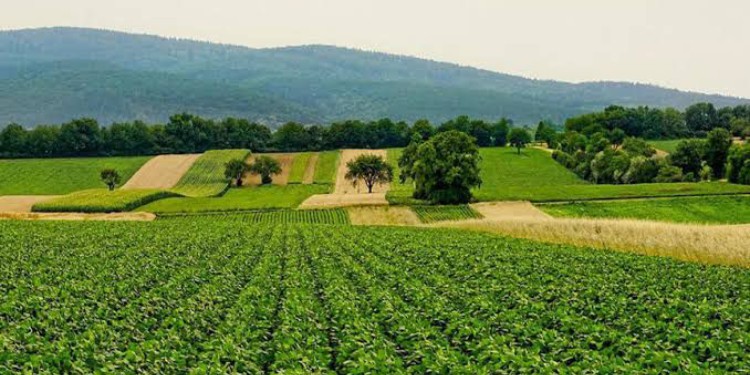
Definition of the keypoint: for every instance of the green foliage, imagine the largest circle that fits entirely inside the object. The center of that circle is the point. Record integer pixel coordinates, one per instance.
(518, 138)
(206, 178)
(433, 214)
(446, 167)
(274, 217)
(668, 146)
(266, 167)
(299, 166)
(235, 169)
(102, 200)
(110, 177)
(669, 173)
(325, 170)
(738, 165)
(718, 143)
(175, 296)
(371, 169)
(244, 199)
(637, 147)
(61, 176)
(704, 210)
(688, 156)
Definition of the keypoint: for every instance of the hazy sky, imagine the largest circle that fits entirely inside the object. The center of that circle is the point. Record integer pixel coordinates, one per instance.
(688, 44)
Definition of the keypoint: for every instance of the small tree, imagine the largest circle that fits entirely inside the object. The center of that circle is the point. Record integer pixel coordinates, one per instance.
(235, 170)
(372, 169)
(265, 166)
(518, 138)
(718, 143)
(110, 177)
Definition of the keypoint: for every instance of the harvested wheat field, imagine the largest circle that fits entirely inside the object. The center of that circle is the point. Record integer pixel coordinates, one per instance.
(161, 172)
(509, 210)
(344, 200)
(383, 215)
(122, 216)
(22, 203)
(344, 186)
(726, 245)
(309, 176)
(282, 179)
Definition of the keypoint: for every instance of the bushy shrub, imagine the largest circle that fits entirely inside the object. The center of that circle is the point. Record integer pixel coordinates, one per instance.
(669, 173)
(738, 165)
(641, 170)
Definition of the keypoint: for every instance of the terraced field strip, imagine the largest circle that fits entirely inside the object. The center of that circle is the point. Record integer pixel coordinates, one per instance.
(102, 201)
(161, 172)
(22, 203)
(75, 216)
(309, 176)
(330, 217)
(383, 215)
(344, 186)
(206, 176)
(509, 210)
(326, 167)
(211, 295)
(433, 214)
(285, 160)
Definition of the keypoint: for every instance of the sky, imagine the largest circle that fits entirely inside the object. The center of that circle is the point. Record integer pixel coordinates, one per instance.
(691, 45)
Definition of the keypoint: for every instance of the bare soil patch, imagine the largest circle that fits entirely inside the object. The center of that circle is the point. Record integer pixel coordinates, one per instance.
(123, 216)
(344, 186)
(282, 179)
(310, 169)
(509, 210)
(383, 215)
(22, 203)
(344, 200)
(161, 172)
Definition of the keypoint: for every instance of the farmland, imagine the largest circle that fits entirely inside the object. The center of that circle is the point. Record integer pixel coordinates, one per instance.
(61, 176)
(325, 169)
(243, 199)
(334, 216)
(299, 166)
(213, 295)
(101, 200)
(431, 214)
(668, 146)
(706, 210)
(206, 176)
(535, 177)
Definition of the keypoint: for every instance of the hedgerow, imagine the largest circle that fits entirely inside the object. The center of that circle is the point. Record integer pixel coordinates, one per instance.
(215, 295)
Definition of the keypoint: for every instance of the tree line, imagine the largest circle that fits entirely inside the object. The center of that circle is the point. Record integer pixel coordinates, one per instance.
(654, 123)
(187, 133)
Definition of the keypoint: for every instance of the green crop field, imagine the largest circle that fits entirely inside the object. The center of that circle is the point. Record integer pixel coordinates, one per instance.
(707, 210)
(298, 167)
(668, 146)
(206, 177)
(432, 214)
(61, 176)
(332, 216)
(210, 295)
(243, 199)
(325, 170)
(102, 200)
(535, 177)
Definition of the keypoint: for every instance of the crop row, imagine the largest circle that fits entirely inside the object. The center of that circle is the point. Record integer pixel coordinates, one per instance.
(210, 295)
(102, 200)
(205, 178)
(432, 214)
(331, 216)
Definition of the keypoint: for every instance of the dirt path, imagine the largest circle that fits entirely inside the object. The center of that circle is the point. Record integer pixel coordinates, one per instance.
(310, 169)
(123, 216)
(161, 172)
(344, 186)
(22, 203)
(282, 179)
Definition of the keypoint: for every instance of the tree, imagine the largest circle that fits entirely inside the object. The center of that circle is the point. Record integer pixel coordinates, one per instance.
(499, 131)
(617, 137)
(717, 149)
(110, 177)
(546, 133)
(235, 170)
(638, 146)
(738, 165)
(701, 118)
(688, 156)
(518, 138)
(423, 129)
(291, 137)
(668, 173)
(446, 168)
(372, 169)
(265, 166)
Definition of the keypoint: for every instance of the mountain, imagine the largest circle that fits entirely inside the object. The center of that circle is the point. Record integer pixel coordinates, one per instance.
(51, 75)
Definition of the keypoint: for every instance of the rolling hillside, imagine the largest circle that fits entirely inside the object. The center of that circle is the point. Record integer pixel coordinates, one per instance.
(54, 74)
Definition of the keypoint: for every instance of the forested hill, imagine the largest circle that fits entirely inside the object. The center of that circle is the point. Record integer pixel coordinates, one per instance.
(53, 75)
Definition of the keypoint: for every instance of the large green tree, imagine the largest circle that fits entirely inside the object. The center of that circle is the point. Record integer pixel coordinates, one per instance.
(718, 143)
(235, 170)
(519, 138)
(446, 168)
(266, 167)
